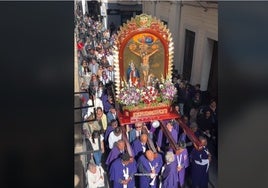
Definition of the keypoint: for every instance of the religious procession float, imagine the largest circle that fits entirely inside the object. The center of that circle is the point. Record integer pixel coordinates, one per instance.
(143, 61)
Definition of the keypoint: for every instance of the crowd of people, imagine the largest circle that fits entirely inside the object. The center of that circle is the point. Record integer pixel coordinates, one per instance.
(133, 163)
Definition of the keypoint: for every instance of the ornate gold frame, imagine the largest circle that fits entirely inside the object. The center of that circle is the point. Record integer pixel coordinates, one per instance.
(142, 24)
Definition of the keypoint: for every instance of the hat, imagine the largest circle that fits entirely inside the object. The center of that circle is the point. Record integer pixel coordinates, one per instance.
(125, 157)
(193, 125)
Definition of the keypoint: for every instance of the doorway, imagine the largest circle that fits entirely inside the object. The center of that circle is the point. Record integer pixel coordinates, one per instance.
(188, 54)
(213, 75)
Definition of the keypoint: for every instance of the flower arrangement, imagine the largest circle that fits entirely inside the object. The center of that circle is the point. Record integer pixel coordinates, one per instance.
(149, 95)
(136, 98)
(168, 90)
(129, 96)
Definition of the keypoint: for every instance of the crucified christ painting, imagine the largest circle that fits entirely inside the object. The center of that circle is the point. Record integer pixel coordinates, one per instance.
(144, 47)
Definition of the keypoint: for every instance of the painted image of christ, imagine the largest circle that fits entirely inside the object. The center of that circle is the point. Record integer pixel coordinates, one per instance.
(145, 65)
(147, 53)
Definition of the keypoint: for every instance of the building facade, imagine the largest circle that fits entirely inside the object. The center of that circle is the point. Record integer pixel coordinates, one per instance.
(194, 27)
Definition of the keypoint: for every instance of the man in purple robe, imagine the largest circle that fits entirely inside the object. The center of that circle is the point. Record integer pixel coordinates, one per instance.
(118, 149)
(139, 146)
(149, 165)
(182, 162)
(170, 174)
(162, 141)
(200, 165)
(122, 172)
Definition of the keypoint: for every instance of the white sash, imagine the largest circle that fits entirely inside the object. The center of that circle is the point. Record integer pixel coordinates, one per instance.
(179, 159)
(126, 175)
(203, 161)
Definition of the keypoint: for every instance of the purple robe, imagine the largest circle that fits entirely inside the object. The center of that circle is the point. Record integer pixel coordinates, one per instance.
(144, 167)
(199, 168)
(107, 132)
(114, 154)
(138, 148)
(116, 173)
(106, 104)
(170, 176)
(176, 126)
(184, 161)
(162, 142)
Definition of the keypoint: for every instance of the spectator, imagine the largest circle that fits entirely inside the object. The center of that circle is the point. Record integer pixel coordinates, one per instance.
(96, 140)
(111, 114)
(94, 66)
(102, 119)
(110, 73)
(104, 78)
(114, 136)
(95, 176)
(181, 97)
(93, 84)
(97, 103)
(177, 109)
(205, 122)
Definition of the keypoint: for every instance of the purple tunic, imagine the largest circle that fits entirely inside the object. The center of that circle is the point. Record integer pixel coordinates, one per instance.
(138, 148)
(170, 176)
(199, 168)
(176, 126)
(107, 132)
(144, 167)
(184, 161)
(114, 154)
(106, 104)
(160, 140)
(116, 173)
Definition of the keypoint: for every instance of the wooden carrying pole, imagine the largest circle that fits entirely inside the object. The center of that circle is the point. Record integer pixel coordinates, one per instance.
(190, 134)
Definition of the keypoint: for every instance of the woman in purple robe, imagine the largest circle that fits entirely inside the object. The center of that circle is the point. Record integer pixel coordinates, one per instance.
(122, 172)
(150, 166)
(200, 164)
(170, 173)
